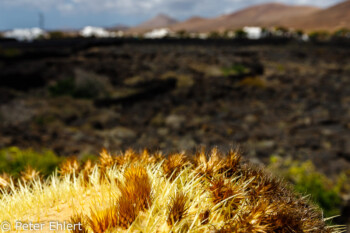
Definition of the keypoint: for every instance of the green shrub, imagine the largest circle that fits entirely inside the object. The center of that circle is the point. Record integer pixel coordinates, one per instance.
(236, 69)
(282, 31)
(68, 86)
(56, 35)
(342, 33)
(214, 35)
(319, 36)
(14, 160)
(63, 87)
(308, 181)
(226, 34)
(240, 34)
(299, 33)
(182, 34)
(10, 52)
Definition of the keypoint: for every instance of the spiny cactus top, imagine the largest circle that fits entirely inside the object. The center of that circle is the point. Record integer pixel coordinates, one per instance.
(143, 192)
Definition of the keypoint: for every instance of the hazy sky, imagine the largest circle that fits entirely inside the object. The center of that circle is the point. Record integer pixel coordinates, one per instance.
(67, 14)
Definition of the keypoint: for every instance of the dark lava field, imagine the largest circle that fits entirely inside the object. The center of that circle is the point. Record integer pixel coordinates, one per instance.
(287, 99)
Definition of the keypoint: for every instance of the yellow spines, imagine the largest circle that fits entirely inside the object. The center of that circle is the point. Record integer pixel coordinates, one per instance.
(30, 174)
(173, 165)
(177, 210)
(106, 160)
(135, 196)
(79, 222)
(69, 167)
(5, 181)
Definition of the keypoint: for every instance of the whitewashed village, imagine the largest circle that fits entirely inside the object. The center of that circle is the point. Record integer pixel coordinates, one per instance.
(161, 26)
(252, 33)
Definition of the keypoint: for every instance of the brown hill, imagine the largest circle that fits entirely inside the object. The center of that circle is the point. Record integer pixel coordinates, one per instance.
(190, 25)
(264, 15)
(332, 18)
(308, 18)
(160, 21)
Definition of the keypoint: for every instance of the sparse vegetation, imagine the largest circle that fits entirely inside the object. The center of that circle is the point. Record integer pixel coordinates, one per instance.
(343, 33)
(68, 86)
(14, 160)
(281, 31)
(56, 35)
(319, 36)
(63, 87)
(182, 34)
(150, 193)
(306, 180)
(240, 34)
(10, 52)
(214, 35)
(236, 69)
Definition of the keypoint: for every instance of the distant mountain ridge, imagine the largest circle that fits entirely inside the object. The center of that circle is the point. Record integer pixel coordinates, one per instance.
(190, 24)
(263, 15)
(332, 18)
(159, 21)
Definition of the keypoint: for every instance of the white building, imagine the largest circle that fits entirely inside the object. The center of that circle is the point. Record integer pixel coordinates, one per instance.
(28, 34)
(253, 33)
(157, 33)
(119, 34)
(96, 32)
(305, 37)
(203, 36)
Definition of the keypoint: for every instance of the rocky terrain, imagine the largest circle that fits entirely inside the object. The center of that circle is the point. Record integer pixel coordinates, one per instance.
(283, 99)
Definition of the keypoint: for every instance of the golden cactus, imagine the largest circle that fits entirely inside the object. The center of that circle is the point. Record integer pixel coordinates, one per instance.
(5, 181)
(79, 221)
(69, 167)
(204, 217)
(173, 165)
(135, 196)
(29, 174)
(100, 221)
(214, 193)
(87, 170)
(106, 159)
(177, 209)
(137, 187)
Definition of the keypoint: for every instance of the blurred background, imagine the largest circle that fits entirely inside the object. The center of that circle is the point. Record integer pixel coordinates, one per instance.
(272, 79)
